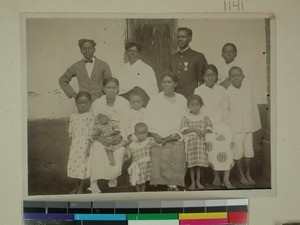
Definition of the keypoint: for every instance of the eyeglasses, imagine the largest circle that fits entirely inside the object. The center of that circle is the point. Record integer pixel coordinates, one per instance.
(132, 51)
(87, 48)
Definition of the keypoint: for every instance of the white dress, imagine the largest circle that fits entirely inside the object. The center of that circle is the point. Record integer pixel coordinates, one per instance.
(215, 103)
(100, 164)
(220, 156)
(131, 118)
(80, 129)
(164, 117)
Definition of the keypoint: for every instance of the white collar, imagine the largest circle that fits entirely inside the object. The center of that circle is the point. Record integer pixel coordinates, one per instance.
(179, 50)
(93, 58)
(209, 87)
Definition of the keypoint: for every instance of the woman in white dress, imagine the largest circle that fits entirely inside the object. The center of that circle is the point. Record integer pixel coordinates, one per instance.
(220, 149)
(115, 106)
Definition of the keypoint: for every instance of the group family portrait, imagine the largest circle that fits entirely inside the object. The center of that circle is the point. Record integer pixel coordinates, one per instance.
(126, 105)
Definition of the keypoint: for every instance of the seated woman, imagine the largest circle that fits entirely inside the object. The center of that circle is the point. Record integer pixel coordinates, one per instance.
(163, 116)
(115, 106)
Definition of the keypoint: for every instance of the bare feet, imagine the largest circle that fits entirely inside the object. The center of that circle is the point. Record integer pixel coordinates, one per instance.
(250, 180)
(199, 186)
(217, 181)
(228, 185)
(172, 188)
(243, 180)
(94, 190)
(192, 186)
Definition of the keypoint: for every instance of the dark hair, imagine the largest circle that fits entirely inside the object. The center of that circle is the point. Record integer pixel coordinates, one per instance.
(82, 41)
(187, 30)
(229, 44)
(234, 68)
(110, 79)
(140, 125)
(195, 97)
(211, 67)
(128, 45)
(85, 94)
(171, 75)
(136, 93)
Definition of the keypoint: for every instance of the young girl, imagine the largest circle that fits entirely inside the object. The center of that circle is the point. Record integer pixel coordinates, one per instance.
(105, 127)
(195, 125)
(135, 114)
(80, 132)
(140, 151)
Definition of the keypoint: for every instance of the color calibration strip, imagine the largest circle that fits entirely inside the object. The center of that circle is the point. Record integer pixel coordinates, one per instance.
(200, 212)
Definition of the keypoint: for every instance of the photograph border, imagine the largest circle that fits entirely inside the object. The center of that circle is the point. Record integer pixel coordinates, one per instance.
(214, 194)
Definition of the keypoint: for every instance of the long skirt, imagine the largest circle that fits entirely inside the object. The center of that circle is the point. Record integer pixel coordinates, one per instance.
(220, 153)
(169, 164)
(100, 164)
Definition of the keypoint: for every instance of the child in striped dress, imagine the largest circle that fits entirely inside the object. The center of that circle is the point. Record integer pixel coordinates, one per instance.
(194, 126)
(140, 170)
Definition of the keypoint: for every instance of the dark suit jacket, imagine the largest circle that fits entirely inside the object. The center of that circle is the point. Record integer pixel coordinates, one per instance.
(92, 84)
(188, 66)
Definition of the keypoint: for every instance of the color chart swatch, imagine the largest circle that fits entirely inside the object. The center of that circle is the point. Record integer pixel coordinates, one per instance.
(200, 212)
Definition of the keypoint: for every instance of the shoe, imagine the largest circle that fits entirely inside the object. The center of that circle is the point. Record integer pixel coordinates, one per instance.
(173, 188)
(94, 190)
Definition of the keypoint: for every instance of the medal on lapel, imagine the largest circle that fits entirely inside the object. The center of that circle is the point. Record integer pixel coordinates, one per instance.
(185, 66)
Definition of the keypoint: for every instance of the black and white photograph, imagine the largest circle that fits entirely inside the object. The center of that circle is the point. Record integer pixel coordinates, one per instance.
(165, 104)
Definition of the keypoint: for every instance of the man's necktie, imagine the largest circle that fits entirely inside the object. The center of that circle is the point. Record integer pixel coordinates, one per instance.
(88, 61)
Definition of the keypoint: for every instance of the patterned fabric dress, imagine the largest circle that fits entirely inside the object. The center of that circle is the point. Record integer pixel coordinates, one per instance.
(80, 129)
(220, 152)
(141, 154)
(106, 130)
(195, 145)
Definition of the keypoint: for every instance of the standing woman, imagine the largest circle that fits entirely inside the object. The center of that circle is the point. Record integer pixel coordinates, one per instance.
(220, 153)
(163, 116)
(115, 106)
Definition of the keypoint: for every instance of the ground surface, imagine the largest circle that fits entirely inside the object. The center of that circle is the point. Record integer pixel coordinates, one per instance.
(48, 149)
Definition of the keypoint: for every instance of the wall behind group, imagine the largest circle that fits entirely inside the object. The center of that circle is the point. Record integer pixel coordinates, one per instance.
(210, 35)
(52, 47)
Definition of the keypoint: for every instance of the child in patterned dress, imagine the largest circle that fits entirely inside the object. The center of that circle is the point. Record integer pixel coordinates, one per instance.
(140, 170)
(106, 127)
(194, 126)
(80, 132)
